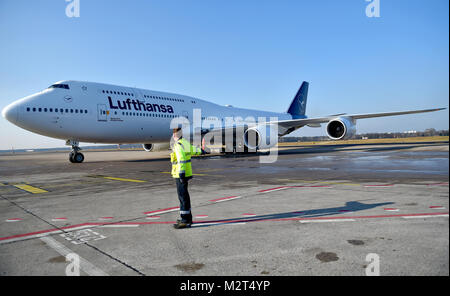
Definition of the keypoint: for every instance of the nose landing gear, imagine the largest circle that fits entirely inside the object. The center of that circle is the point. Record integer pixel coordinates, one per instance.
(74, 155)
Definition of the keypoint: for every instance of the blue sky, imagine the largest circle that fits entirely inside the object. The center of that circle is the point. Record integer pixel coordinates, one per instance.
(251, 54)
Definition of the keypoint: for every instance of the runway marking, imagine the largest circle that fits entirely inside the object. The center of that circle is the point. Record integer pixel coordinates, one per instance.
(293, 186)
(124, 180)
(424, 216)
(85, 265)
(438, 184)
(380, 186)
(391, 209)
(59, 219)
(225, 198)
(30, 189)
(151, 213)
(327, 220)
(105, 218)
(201, 216)
(13, 220)
(43, 233)
(119, 225)
(437, 207)
(82, 236)
(273, 189)
(153, 217)
(248, 214)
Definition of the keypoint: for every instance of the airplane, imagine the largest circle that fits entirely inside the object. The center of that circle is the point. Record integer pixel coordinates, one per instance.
(79, 111)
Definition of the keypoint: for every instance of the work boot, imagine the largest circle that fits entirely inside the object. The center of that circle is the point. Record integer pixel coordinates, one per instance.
(180, 225)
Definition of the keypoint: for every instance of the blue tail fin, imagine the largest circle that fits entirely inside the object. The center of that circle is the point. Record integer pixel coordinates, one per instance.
(298, 105)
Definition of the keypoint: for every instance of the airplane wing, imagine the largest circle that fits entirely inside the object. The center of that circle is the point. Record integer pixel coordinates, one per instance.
(287, 126)
(297, 123)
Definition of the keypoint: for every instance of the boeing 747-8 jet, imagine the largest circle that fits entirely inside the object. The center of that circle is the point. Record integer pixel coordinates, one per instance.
(77, 111)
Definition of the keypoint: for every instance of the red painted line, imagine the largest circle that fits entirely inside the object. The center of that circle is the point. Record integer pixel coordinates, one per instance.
(13, 220)
(437, 207)
(223, 198)
(219, 221)
(311, 186)
(63, 218)
(248, 214)
(390, 209)
(162, 210)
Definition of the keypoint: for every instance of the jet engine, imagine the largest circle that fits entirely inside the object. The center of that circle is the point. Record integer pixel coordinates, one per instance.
(261, 137)
(341, 128)
(155, 147)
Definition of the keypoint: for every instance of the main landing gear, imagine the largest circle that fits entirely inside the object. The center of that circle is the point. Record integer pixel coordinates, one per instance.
(75, 156)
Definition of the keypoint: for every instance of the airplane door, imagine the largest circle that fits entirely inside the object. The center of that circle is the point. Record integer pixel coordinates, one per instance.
(101, 112)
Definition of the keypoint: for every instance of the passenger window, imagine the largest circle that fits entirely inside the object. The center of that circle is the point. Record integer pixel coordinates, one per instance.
(28, 109)
(40, 109)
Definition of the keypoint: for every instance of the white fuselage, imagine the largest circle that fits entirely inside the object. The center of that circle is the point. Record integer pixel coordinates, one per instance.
(103, 113)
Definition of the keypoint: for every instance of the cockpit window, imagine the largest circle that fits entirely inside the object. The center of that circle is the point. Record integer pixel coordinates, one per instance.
(66, 86)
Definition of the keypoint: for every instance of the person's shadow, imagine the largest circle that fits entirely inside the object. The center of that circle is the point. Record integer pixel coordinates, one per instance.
(351, 206)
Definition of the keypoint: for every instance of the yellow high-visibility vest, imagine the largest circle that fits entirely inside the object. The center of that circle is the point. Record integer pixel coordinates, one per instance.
(181, 158)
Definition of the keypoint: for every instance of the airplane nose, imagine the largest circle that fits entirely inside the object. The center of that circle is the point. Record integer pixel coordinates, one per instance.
(11, 113)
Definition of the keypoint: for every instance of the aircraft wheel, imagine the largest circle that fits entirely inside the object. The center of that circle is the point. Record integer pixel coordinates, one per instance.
(78, 158)
(71, 157)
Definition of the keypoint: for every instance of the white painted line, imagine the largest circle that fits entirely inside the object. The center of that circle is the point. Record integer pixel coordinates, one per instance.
(13, 220)
(217, 223)
(273, 189)
(153, 217)
(85, 265)
(162, 211)
(424, 216)
(59, 219)
(327, 220)
(201, 216)
(120, 225)
(392, 210)
(232, 198)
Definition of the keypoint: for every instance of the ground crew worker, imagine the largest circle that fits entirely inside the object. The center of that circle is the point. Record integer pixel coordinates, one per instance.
(182, 172)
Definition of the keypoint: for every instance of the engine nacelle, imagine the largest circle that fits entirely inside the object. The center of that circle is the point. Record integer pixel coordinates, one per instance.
(261, 137)
(341, 128)
(156, 147)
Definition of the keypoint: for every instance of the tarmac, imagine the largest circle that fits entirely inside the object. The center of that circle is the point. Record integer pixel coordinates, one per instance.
(316, 210)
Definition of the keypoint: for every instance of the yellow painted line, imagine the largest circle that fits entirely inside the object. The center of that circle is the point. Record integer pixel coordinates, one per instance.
(1, 184)
(123, 179)
(30, 188)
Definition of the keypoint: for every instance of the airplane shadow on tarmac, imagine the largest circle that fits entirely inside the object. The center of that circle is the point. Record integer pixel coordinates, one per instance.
(298, 149)
(351, 206)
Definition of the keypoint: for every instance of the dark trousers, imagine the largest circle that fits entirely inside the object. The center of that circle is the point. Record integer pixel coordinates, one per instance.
(185, 200)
